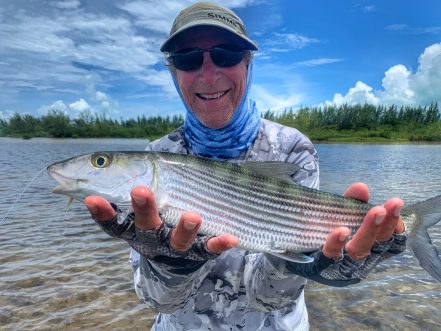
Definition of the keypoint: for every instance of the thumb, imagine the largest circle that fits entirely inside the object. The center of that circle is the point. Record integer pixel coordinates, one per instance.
(99, 208)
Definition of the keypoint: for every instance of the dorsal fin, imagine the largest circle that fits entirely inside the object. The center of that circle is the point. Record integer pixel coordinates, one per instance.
(283, 171)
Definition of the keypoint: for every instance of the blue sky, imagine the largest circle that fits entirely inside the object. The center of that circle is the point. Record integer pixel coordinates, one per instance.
(103, 55)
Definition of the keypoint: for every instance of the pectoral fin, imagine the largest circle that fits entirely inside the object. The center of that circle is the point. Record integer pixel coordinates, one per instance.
(69, 203)
(294, 257)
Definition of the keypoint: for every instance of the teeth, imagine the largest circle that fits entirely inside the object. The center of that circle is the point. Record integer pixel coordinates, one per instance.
(212, 96)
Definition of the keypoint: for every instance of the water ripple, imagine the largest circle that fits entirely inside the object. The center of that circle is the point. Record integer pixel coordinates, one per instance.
(59, 271)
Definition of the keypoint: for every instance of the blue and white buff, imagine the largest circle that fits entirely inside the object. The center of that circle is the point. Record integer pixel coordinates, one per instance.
(229, 141)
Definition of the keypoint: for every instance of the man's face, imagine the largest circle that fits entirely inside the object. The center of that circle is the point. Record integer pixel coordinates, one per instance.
(212, 93)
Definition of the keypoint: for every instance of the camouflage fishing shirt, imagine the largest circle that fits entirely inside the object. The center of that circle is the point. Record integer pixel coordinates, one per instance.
(239, 290)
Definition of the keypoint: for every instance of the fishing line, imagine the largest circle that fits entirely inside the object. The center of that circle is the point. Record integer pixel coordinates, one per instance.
(24, 190)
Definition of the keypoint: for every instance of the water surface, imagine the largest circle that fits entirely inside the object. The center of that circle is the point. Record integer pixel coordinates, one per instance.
(59, 271)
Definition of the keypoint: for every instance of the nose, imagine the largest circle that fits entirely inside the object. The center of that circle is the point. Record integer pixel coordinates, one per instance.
(209, 71)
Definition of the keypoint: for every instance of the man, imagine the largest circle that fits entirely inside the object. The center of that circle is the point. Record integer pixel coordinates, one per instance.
(225, 288)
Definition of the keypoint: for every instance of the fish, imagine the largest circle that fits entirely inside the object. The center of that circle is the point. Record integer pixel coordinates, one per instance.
(258, 202)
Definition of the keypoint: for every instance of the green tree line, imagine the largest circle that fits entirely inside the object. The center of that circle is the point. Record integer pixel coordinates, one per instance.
(363, 122)
(56, 124)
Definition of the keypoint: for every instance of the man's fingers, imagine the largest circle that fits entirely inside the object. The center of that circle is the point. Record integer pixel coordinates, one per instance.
(221, 243)
(393, 221)
(361, 243)
(144, 206)
(335, 242)
(359, 191)
(185, 232)
(99, 208)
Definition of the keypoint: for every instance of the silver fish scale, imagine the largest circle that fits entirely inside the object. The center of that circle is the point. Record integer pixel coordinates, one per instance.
(264, 213)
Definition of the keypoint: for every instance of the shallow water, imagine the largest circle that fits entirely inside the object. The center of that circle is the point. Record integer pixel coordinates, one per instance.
(398, 295)
(59, 271)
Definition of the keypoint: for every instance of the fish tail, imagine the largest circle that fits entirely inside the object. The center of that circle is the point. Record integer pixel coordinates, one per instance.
(427, 213)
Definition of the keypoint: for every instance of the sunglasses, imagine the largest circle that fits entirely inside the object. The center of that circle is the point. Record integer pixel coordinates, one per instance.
(224, 56)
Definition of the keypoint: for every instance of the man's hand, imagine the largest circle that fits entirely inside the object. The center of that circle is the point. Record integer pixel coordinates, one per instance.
(379, 224)
(147, 218)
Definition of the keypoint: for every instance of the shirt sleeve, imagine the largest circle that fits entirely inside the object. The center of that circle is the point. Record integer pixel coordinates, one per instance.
(163, 290)
(268, 288)
(303, 154)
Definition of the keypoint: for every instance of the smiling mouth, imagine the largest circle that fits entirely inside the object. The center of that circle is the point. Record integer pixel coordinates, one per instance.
(212, 96)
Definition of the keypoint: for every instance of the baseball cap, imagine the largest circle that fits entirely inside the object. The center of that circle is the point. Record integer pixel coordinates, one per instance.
(209, 14)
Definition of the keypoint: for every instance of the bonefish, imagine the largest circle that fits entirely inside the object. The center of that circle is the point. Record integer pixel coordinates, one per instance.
(256, 201)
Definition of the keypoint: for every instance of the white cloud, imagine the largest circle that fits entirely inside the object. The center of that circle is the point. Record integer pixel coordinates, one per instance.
(397, 27)
(162, 80)
(426, 82)
(369, 8)
(404, 28)
(276, 102)
(396, 85)
(101, 101)
(101, 97)
(317, 62)
(146, 12)
(400, 85)
(53, 50)
(107, 105)
(360, 93)
(102, 104)
(58, 106)
(238, 3)
(65, 4)
(80, 105)
(34, 34)
(286, 42)
(72, 110)
(6, 114)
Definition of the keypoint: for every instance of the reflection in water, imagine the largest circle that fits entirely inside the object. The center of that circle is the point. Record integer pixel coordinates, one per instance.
(59, 271)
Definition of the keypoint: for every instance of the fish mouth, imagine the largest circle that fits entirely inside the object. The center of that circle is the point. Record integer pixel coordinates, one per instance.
(66, 184)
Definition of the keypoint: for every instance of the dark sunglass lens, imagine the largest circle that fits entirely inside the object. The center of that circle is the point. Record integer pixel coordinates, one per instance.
(192, 59)
(226, 58)
(187, 61)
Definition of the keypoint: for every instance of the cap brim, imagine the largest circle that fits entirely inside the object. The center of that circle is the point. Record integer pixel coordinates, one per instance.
(247, 43)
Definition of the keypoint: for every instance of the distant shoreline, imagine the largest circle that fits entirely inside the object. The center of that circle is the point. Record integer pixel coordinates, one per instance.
(356, 140)
(361, 123)
(377, 142)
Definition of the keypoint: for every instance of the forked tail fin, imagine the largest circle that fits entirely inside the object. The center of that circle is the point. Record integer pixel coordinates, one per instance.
(427, 213)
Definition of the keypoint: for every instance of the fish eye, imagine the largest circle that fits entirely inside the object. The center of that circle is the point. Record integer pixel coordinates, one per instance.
(101, 160)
